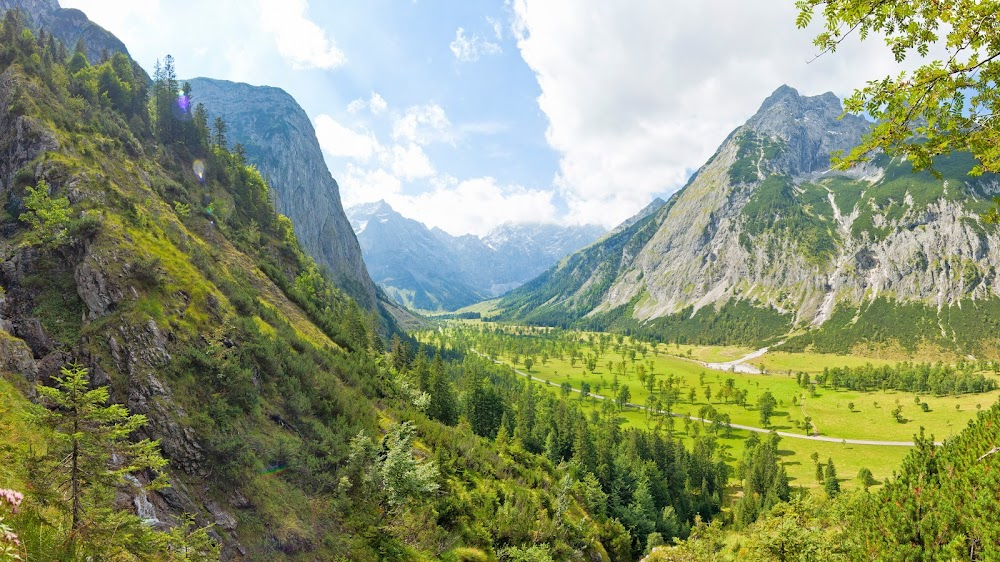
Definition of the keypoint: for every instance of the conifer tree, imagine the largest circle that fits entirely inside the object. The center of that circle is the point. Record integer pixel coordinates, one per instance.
(831, 485)
(90, 452)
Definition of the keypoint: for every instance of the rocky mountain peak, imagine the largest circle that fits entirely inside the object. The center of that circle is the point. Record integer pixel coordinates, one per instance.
(809, 128)
(69, 25)
(368, 210)
(33, 7)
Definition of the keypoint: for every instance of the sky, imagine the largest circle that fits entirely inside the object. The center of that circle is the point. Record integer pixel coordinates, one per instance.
(464, 114)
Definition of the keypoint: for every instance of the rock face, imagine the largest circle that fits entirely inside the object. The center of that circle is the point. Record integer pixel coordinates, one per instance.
(432, 270)
(765, 222)
(68, 25)
(280, 140)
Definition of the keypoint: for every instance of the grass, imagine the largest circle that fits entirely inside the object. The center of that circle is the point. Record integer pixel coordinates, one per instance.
(795, 453)
(807, 362)
(829, 409)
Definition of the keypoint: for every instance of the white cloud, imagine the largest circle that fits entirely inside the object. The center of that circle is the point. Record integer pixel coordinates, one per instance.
(410, 162)
(423, 124)
(476, 206)
(364, 185)
(340, 141)
(496, 26)
(377, 104)
(356, 105)
(469, 49)
(299, 40)
(638, 94)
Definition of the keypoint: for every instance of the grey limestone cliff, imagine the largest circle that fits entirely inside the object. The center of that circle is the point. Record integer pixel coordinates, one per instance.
(68, 25)
(280, 140)
(767, 222)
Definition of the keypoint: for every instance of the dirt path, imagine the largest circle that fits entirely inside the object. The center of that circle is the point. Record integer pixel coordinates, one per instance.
(734, 425)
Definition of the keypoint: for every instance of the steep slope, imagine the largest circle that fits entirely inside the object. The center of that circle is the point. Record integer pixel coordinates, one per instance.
(765, 238)
(157, 262)
(433, 270)
(416, 266)
(68, 26)
(280, 141)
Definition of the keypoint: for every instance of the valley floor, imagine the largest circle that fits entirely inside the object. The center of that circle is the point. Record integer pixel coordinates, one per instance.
(853, 429)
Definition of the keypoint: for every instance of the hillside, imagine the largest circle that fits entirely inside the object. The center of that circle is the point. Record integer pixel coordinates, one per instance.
(67, 25)
(147, 276)
(765, 239)
(432, 270)
(278, 138)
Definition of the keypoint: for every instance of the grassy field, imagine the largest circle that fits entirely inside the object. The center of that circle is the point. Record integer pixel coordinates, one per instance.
(796, 453)
(830, 410)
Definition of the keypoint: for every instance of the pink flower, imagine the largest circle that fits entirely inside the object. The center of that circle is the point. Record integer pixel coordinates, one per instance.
(9, 538)
(12, 497)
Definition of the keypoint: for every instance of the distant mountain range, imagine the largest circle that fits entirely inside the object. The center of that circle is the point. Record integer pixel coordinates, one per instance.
(429, 269)
(766, 241)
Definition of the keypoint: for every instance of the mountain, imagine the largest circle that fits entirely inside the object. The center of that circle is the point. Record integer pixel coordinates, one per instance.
(765, 239)
(432, 270)
(646, 211)
(134, 283)
(417, 267)
(68, 25)
(280, 141)
(529, 249)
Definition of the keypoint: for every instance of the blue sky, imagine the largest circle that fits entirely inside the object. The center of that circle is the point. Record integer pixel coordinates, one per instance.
(467, 113)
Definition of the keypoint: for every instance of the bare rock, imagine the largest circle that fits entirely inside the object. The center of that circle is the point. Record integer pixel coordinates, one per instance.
(220, 516)
(16, 357)
(97, 293)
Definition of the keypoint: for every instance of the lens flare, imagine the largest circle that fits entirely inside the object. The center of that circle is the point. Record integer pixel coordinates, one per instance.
(198, 167)
(183, 101)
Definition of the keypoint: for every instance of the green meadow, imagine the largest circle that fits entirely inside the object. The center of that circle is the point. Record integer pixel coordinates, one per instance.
(834, 413)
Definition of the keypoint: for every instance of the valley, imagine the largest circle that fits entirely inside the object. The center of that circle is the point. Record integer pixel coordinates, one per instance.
(856, 429)
(547, 310)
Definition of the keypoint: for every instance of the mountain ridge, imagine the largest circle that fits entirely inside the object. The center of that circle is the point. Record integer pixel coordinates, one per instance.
(765, 226)
(433, 270)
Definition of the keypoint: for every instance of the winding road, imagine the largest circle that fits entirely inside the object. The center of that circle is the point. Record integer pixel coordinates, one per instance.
(823, 438)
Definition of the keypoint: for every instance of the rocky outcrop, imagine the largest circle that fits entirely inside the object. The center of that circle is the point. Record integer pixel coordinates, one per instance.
(21, 138)
(16, 357)
(280, 141)
(810, 128)
(69, 25)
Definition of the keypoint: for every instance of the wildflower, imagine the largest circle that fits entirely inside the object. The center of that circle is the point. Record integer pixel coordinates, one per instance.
(12, 498)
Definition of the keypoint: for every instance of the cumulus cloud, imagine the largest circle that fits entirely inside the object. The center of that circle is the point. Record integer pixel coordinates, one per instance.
(477, 205)
(409, 162)
(639, 94)
(376, 104)
(361, 184)
(423, 124)
(298, 39)
(337, 140)
(469, 49)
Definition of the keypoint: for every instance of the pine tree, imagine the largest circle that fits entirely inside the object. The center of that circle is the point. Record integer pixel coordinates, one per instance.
(831, 485)
(90, 452)
(442, 405)
(220, 128)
